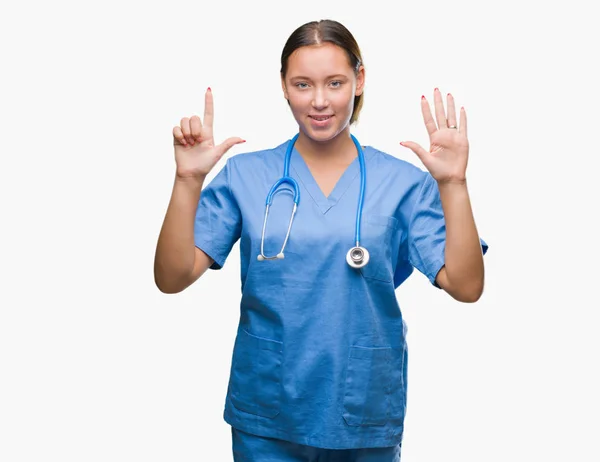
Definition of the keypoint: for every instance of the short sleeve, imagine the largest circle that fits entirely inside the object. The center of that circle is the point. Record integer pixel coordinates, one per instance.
(427, 231)
(217, 225)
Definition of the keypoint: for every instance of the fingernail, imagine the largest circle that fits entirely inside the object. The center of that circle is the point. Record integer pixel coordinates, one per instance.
(436, 89)
(209, 89)
(449, 94)
(423, 97)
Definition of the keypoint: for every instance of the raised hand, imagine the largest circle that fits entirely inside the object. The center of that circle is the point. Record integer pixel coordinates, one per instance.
(448, 153)
(195, 150)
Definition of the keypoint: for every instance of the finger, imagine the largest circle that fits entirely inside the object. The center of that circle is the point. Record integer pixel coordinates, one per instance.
(451, 111)
(178, 136)
(427, 117)
(228, 144)
(416, 148)
(463, 121)
(196, 128)
(440, 115)
(208, 112)
(186, 130)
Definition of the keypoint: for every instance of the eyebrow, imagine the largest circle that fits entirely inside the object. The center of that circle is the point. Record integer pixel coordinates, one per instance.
(308, 78)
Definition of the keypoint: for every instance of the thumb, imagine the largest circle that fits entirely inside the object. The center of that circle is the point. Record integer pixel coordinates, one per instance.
(416, 148)
(228, 144)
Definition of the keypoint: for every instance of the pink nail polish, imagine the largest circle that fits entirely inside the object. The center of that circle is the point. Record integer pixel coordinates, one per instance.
(423, 97)
(209, 89)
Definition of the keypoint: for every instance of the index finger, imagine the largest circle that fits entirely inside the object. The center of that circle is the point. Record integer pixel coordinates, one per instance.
(208, 109)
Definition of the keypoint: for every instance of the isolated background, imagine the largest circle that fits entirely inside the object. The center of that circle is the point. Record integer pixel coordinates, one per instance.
(96, 364)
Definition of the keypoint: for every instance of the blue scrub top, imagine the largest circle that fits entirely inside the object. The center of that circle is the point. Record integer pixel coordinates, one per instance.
(320, 355)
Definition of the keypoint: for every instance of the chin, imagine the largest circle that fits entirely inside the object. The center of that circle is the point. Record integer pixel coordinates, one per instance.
(322, 135)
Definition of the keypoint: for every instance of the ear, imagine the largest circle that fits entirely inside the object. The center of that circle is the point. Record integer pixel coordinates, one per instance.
(284, 88)
(360, 81)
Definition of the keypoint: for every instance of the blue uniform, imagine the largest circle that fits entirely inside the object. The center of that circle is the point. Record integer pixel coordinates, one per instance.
(254, 448)
(320, 356)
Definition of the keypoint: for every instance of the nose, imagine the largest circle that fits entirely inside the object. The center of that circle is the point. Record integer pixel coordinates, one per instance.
(320, 100)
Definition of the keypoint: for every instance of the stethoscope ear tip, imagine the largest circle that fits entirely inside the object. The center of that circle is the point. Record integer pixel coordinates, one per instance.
(260, 257)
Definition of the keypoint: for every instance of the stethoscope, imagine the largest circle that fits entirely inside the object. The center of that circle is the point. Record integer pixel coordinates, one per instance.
(357, 256)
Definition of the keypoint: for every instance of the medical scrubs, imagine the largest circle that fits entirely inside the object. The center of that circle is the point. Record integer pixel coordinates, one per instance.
(320, 355)
(254, 448)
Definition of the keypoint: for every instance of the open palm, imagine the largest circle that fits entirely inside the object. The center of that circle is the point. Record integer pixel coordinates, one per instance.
(448, 152)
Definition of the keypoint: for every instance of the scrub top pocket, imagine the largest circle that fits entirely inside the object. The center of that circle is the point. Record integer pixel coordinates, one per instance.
(367, 387)
(377, 234)
(256, 375)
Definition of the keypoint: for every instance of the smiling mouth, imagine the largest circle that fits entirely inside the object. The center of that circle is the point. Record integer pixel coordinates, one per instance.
(320, 119)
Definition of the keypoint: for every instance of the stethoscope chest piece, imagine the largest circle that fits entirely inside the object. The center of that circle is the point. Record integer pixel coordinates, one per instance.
(357, 257)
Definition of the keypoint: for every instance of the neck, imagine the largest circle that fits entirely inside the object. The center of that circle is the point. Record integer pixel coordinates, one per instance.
(338, 149)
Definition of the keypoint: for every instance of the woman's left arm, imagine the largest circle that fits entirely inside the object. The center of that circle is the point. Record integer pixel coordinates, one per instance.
(462, 275)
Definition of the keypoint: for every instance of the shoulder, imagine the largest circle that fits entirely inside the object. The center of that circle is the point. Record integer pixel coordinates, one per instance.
(395, 167)
(256, 158)
(411, 183)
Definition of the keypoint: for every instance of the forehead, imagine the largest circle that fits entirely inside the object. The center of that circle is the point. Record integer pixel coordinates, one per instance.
(315, 60)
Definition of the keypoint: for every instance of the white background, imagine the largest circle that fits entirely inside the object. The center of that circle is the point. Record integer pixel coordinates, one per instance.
(96, 364)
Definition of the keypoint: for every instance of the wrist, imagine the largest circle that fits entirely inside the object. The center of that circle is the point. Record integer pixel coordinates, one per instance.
(190, 180)
(452, 182)
(453, 188)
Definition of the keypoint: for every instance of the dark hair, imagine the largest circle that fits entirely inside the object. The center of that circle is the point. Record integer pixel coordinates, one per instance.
(318, 32)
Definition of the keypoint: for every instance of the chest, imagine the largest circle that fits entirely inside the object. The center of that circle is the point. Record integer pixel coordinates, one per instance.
(327, 178)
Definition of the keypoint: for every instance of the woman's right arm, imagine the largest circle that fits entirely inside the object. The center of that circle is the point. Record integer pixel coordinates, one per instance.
(178, 262)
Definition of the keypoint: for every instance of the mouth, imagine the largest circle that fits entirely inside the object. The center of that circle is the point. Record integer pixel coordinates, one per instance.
(320, 121)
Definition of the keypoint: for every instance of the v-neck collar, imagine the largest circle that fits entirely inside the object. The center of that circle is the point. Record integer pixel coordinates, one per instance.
(301, 170)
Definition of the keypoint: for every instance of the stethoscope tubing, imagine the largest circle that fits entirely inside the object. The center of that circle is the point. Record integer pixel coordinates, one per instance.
(289, 180)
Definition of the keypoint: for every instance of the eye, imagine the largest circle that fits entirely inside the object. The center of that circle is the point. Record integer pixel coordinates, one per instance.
(338, 82)
(300, 83)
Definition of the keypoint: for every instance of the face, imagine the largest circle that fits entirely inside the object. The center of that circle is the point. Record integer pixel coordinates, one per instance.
(320, 86)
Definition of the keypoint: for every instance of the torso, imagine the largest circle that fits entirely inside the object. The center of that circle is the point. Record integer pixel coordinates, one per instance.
(317, 337)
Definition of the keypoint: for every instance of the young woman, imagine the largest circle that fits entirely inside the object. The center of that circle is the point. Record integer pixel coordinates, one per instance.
(320, 357)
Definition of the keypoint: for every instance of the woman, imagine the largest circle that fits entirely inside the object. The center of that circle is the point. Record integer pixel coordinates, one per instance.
(320, 357)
